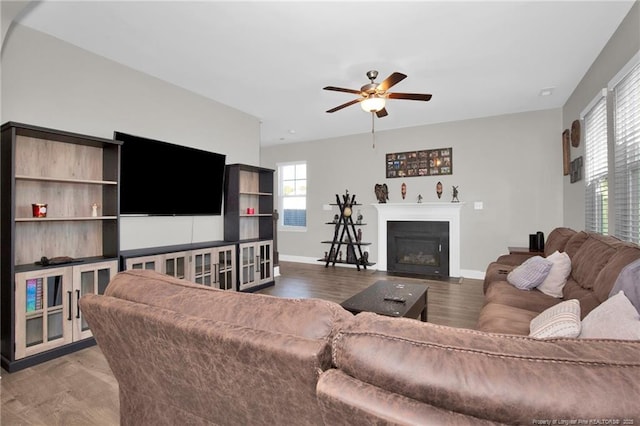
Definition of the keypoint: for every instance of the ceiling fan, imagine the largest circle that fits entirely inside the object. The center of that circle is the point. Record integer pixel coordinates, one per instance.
(373, 96)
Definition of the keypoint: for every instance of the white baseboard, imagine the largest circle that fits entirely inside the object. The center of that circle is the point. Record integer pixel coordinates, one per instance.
(466, 273)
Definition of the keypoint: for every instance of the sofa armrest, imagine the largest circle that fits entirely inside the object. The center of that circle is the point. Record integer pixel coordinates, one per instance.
(496, 377)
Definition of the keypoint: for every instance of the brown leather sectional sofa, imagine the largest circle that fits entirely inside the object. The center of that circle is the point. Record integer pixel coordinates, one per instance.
(596, 262)
(187, 354)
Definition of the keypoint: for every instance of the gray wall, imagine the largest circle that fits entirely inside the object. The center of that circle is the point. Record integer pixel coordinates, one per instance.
(619, 50)
(50, 83)
(511, 163)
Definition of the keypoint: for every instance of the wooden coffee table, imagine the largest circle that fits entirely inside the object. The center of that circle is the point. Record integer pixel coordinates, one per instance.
(391, 298)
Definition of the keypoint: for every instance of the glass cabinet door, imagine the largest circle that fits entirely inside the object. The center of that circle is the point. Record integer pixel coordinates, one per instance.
(175, 264)
(43, 310)
(203, 267)
(265, 261)
(89, 279)
(248, 265)
(152, 263)
(226, 268)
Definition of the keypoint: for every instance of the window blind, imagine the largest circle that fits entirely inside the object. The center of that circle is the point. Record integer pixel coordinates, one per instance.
(626, 117)
(596, 168)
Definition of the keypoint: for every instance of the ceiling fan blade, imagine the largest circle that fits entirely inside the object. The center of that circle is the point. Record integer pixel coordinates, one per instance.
(410, 96)
(390, 81)
(339, 107)
(340, 89)
(382, 113)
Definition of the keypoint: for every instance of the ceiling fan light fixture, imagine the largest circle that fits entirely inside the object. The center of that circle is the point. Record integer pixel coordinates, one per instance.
(373, 103)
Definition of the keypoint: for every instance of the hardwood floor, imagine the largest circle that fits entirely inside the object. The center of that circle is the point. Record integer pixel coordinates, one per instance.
(79, 389)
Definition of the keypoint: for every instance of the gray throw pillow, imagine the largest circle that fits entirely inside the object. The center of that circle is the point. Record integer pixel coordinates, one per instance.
(615, 318)
(530, 274)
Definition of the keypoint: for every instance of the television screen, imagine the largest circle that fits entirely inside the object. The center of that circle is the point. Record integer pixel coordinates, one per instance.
(160, 178)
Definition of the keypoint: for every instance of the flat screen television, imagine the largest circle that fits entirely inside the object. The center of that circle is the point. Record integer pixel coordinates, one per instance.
(161, 178)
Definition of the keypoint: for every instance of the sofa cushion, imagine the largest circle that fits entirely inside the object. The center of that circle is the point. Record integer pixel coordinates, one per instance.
(501, 292)
(575, 242)
(557, 277)
(615, 318)
(557, 240)
(626, 254)
(561, 320)
(498, 318)
(587, 298)
(530, 274)
(592, 256)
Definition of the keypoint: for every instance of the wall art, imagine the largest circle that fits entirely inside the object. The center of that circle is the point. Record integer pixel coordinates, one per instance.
(576, 169)
(428, 162)
(566, 152)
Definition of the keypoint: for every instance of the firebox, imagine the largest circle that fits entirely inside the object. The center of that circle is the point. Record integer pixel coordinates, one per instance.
(418, 247)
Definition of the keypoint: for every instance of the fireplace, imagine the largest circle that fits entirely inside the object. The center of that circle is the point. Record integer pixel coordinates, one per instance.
(420, 212)
(418, 247)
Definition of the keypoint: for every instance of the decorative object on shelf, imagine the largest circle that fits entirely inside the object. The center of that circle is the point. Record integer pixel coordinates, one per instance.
(347, 211)
(359, 218)
(326, 255)
(439, 189)
(419, 198)
(575, 133)
(39, 210)
(566, 152)
(382, 193)
(335, 218)
(332, 254)
(403, 190)
(340, 256)
(455, 195)
(359, 236)
(365, 258)
(428, 162)
(576, 170)
(94, 210)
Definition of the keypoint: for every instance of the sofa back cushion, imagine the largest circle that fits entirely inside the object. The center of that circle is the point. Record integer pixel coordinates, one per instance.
(557, 240)
(575, 242)
(591, 258)
(309, 318)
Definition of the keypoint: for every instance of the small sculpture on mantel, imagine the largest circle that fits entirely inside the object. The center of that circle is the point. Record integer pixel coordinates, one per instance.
(403, 190)
(382, 192)
(455, 195)
(439, 189)
(419, 198)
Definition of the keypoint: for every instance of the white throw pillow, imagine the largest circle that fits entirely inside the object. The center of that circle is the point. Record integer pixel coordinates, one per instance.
(615, 318)
(557, 277)
(530, 273)
(561, 320)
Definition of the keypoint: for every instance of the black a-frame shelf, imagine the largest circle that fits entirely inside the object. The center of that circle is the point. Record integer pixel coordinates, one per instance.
(345, 234)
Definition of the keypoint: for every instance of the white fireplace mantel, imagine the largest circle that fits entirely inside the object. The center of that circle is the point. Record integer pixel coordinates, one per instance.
(427, 212)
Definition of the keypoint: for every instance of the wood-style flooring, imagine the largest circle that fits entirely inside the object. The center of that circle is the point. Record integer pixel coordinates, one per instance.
(79, 389)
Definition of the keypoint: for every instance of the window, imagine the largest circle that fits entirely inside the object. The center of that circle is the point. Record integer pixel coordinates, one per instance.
(596, 167)
(626, 122)
(292, 195)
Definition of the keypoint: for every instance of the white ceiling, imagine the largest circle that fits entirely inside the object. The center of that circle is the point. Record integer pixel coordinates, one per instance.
(272, 59)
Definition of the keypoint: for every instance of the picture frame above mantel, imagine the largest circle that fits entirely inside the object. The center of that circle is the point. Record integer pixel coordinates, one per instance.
(427, 162)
